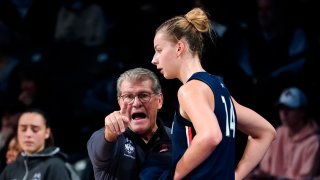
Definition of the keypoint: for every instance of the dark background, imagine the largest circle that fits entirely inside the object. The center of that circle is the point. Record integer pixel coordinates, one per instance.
(75, 75)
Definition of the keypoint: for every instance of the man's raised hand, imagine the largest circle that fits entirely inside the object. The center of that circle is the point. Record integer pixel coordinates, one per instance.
(117, 122)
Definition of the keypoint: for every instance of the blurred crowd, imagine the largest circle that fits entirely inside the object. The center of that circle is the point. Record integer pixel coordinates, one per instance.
(63, 56)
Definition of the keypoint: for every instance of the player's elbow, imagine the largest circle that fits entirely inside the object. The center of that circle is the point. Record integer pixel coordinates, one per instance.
(272, 133)
(269, 134)
(212, 140)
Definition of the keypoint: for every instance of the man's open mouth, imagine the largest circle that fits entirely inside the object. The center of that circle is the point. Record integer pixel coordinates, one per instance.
(139, 115)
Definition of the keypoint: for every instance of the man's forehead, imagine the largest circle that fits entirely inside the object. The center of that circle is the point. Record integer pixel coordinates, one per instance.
(137, 84)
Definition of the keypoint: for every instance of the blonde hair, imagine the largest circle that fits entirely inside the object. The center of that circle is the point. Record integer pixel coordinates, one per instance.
(191, 26)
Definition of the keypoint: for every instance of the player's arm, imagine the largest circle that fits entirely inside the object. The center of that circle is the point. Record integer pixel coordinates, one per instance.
(197, 104)
(260, 135)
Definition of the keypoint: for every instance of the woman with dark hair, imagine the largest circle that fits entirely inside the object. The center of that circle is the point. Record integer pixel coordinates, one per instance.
(39, 159)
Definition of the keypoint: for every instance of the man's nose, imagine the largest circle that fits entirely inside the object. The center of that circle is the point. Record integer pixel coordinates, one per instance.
(136, 101)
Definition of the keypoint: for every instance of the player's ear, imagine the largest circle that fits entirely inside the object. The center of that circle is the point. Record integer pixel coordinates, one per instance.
(180, 47)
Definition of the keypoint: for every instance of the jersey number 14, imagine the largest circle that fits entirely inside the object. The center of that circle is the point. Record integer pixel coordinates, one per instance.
(230, 118)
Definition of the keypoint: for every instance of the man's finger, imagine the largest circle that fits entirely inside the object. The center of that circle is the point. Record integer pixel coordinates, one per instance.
(125, 109)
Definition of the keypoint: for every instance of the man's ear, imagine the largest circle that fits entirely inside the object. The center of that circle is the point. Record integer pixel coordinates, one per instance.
(160, 101)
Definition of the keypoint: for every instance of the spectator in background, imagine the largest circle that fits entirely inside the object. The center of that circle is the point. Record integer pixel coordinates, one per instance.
(267, 53)
(295, 152)
(13, 150)
(33, 88)
(29, 91)
(9, 122)
(39, 159)
(9, 152)
(82, 22)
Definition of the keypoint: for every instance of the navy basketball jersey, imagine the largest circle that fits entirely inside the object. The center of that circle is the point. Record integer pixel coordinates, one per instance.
(221, 163)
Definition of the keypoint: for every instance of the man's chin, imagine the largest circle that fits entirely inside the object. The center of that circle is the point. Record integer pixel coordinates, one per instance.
(139, 129)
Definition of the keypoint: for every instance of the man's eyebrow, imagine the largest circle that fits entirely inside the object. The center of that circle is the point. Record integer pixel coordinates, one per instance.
(139, 92)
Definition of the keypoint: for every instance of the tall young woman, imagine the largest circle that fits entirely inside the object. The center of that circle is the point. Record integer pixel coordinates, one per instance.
(204, 126)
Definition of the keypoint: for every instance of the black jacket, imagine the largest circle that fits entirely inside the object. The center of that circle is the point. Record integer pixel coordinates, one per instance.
(129, 157)
(49, 164)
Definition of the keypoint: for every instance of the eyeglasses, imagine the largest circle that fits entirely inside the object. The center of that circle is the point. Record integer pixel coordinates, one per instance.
(143, 97)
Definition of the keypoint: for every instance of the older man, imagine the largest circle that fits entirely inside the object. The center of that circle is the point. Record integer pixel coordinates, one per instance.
(134, 144)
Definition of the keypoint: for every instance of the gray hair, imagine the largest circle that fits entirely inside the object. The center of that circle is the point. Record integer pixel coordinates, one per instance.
(139, 74)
